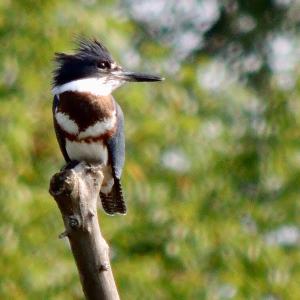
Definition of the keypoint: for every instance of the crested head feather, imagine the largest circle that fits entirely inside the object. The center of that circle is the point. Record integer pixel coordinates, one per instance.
(92, 47)
(82, 63)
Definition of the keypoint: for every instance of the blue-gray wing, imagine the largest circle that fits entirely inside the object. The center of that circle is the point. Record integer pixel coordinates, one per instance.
(59, 134)
(116, 145)
(113, 202)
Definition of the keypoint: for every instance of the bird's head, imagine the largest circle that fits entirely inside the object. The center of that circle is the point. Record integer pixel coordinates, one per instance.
(92, 69)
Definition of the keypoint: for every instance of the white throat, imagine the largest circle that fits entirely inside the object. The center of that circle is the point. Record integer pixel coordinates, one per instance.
(95, 86)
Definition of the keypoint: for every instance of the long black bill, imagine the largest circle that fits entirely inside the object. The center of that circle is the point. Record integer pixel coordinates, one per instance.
(137, 77)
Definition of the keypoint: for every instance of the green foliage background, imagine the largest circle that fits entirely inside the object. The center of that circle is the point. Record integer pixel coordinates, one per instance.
(213, 163)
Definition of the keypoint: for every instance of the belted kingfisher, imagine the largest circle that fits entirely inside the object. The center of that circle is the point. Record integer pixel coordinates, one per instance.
(88, 122)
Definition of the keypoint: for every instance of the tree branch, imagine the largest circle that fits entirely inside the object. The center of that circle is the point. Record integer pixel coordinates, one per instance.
(76, 192)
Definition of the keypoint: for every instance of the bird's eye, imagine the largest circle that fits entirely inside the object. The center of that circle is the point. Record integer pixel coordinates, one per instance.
(103, 65)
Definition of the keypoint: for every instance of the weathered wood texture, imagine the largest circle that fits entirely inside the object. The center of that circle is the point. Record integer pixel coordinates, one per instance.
(76, 193)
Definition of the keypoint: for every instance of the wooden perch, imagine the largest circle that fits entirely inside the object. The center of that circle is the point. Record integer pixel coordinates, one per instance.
(76, 193)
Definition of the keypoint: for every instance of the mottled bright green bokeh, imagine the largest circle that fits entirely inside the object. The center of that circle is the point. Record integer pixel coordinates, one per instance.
(212, 153)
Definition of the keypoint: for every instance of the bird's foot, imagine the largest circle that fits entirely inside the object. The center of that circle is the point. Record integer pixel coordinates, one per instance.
(70, 165)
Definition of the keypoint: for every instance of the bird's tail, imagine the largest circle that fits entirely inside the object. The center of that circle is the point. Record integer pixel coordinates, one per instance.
(113, 202)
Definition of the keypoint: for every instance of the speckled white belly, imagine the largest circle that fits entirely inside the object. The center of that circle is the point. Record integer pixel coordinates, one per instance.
(90, 152)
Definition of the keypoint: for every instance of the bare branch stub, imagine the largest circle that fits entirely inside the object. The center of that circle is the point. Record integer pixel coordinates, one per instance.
(76, 192)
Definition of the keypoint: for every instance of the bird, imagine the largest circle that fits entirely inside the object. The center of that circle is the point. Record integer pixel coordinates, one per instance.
(88, 122)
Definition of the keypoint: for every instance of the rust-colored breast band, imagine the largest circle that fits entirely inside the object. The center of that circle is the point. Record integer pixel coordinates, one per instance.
(85, 108)
(91, 139)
